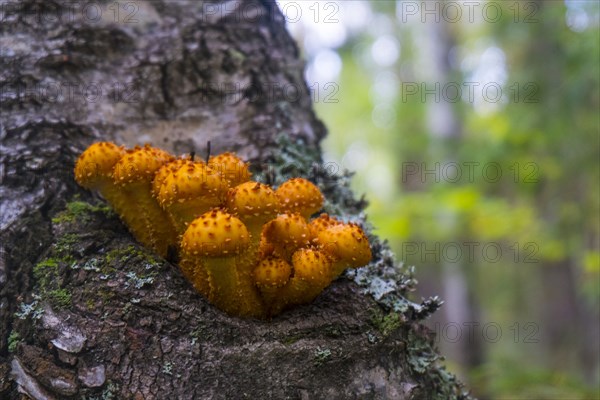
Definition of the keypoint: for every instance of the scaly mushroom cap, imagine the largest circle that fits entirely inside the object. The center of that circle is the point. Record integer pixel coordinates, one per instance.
(272, 272)
(347, 243)
(230, 167)
(164, 172)
(265, 248)
(192, 180)
(215, 234)
(312, 266)
(298, 195)
(288, 229)
(96, 163)
(321, 223)
(252, 201)
(140, 164)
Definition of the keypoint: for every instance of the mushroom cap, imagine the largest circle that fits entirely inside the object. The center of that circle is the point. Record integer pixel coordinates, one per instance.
(272, 272)
(312, 265)
(347, 243)
(190, 181)
(163, 172)
(96, 163)
(140, 164)
(265, 248)
(288, 229)
(215, 234)
(301, 196)
(321, 223)
(230, 167)
(252, 200)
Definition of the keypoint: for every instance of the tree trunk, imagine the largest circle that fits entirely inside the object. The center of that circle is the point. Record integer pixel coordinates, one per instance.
(85, 311)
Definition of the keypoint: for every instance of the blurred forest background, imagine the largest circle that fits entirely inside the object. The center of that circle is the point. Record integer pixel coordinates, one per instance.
(473, 128)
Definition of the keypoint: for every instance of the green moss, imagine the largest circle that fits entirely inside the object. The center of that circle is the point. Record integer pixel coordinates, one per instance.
(123, 255)
(45, 272)
(386, 323)
(80, 210)
(13, 340)
(47, 275)
(64, 247)
(60, 298)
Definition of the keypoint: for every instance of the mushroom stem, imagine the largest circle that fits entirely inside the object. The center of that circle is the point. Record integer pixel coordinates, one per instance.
(224, 284)
(195, 271)
(231, 286)
(156, 231)
(250, 299)
(310, 277)
(270, 276)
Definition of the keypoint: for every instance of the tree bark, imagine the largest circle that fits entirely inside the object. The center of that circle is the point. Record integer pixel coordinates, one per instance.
(85, 311)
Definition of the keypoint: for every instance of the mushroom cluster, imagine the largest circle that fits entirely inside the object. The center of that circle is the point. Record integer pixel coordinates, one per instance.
(252, 251)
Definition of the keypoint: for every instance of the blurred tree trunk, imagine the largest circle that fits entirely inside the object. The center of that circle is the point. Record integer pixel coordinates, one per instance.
(566, 315)
(85, 312)
(445, 125)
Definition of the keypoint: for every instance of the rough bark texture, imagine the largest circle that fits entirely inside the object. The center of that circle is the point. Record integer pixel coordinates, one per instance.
(85, 311)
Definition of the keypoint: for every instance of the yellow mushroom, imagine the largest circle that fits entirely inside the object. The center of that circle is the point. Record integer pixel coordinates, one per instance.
(255, 204)
(301, 196)
(190, 190)
(94, 171)
(310, 276)
(134, 174)
(347, 245)
(230, 167)
(237, 252)
(218, 239)
(287, 233)
(270, 276)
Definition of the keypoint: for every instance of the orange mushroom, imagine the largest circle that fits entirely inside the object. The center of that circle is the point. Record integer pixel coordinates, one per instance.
(217, 240)
(301, 196)
(134, 173)
(190, 190)
(311, 275)
(94, 171)
(347, 245)
(287, 233)
(235, 248)
(270, 276)
(230, 167)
